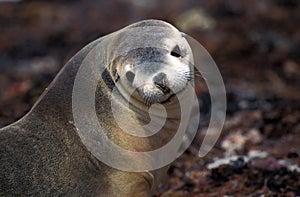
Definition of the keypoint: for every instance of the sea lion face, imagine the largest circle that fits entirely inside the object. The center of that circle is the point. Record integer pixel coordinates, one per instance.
(155, 73)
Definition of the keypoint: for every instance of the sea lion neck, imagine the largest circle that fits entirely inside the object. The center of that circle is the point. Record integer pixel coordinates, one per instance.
(56, 100)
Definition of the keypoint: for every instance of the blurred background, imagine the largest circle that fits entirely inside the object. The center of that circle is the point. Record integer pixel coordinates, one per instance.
(256, 45)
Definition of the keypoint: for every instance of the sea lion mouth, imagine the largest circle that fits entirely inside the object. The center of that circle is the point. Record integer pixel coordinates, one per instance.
(162, 90)
(158, 96)
(169, 99)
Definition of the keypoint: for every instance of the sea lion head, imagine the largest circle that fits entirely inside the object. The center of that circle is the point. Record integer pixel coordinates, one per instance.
(152, 61)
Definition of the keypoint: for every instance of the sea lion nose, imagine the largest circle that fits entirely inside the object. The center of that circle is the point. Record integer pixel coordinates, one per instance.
(160, 81)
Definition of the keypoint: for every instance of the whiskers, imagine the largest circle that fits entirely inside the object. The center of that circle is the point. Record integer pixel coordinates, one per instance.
(148, 99)
(193, 75)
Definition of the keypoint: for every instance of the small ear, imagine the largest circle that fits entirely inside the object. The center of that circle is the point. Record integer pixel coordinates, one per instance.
(113, 70)
(183, 34)
(113, 67)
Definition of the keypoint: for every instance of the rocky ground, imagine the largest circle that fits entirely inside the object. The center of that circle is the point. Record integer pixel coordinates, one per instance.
(256, 45)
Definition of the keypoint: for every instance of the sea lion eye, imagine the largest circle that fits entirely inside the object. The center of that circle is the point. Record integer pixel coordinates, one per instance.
(176, 51)
(130, 76)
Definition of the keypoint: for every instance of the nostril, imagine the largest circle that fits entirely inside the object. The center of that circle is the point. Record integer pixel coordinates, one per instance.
(161, 83)
(162, 87)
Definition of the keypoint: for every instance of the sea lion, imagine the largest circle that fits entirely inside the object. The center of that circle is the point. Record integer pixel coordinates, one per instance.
(45, 153)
